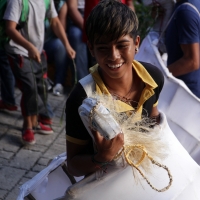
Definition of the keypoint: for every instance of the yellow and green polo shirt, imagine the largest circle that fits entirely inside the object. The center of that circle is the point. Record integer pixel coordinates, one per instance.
(149, 74)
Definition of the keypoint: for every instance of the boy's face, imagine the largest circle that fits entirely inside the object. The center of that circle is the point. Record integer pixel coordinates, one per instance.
(115, 58)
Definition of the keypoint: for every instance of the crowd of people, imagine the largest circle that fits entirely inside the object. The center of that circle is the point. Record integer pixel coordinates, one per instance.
(54, 32)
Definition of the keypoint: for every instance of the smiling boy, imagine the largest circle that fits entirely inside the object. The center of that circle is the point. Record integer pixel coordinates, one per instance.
(112, 39)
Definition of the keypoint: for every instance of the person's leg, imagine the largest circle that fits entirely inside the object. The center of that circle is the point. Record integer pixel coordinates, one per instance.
(57, 54)
(45, 115)
(29, 122)
(28, 133)
(7, 84)
(45, 111)
(23, 71)
(75, 39)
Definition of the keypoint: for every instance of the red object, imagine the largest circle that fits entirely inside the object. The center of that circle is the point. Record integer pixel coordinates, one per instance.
(89, 5)
(28, 136)
(4, 106)
(42, 129)
(45, 75)
(44, 120)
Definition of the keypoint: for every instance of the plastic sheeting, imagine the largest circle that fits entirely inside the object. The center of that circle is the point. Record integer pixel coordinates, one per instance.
(41, 180)
(180, 105)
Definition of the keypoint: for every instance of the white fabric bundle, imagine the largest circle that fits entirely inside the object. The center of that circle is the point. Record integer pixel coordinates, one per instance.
(94, 114)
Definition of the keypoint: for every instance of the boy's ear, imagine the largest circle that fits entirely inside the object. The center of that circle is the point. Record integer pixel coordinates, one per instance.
(137, 41)
(90, 47)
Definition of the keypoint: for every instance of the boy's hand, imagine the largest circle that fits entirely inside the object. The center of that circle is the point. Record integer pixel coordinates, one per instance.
(107, 149)
(34, 54)
(70, 52)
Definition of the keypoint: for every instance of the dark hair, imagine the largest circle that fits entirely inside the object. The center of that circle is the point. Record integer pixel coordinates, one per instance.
(109, 20)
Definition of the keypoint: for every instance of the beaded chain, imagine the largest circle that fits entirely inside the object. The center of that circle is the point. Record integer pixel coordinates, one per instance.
(128, 149)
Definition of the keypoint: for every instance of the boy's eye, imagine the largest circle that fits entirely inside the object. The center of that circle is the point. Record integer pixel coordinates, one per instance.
(123, 46)
(102, 48)
(118, 46)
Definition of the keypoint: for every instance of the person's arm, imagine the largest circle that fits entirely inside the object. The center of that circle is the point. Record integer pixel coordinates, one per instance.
(189, 62)
(62, 15)
(15, 35)
(74, 13)
(60, 33)
(80, 163)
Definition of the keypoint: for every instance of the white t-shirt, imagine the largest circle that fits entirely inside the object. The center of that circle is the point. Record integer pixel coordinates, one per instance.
(81, 4)
(34, 30)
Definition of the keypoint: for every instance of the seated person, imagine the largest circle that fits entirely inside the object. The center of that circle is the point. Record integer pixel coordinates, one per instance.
(113, 41)
(75, 32)
(55, 49)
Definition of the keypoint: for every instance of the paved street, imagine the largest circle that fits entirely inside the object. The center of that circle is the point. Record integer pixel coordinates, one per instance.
(19, 163)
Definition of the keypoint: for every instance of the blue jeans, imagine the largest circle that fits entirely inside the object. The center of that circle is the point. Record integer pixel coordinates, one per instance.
(75, 40)
(56, 53)
(7, 80)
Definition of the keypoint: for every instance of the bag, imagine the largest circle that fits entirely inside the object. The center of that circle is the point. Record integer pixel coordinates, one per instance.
(23, 19)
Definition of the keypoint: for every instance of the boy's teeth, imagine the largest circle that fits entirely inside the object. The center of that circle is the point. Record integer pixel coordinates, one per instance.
(115, 66)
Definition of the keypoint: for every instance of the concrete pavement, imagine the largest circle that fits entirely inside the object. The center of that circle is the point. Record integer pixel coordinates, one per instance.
(19, 163)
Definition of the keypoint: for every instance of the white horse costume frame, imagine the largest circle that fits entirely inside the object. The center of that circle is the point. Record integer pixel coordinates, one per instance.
(119, 183)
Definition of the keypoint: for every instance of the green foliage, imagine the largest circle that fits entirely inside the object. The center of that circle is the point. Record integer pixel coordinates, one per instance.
(146, 21)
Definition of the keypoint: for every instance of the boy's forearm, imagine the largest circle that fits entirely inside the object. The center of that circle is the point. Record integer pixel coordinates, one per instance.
(59, 31)
(182, 66)
(81, 165)
(189, 62)
(62, 15)
(76, 17)
(74, 13)
(18, 38)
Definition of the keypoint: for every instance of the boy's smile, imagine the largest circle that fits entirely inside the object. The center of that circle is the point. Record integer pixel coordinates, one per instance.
(115, 57)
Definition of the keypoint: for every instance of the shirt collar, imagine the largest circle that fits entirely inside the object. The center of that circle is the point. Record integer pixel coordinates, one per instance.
(143, 74)
(148, 91)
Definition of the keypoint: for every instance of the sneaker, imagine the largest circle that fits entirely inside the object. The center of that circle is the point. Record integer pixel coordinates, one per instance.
(44, 120)
(42, 129)
(4, 106)
(58, 89)
(49, 87)
(28, 137)
(49, 84)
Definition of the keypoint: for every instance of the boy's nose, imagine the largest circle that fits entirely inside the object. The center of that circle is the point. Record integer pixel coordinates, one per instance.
(113, 54)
